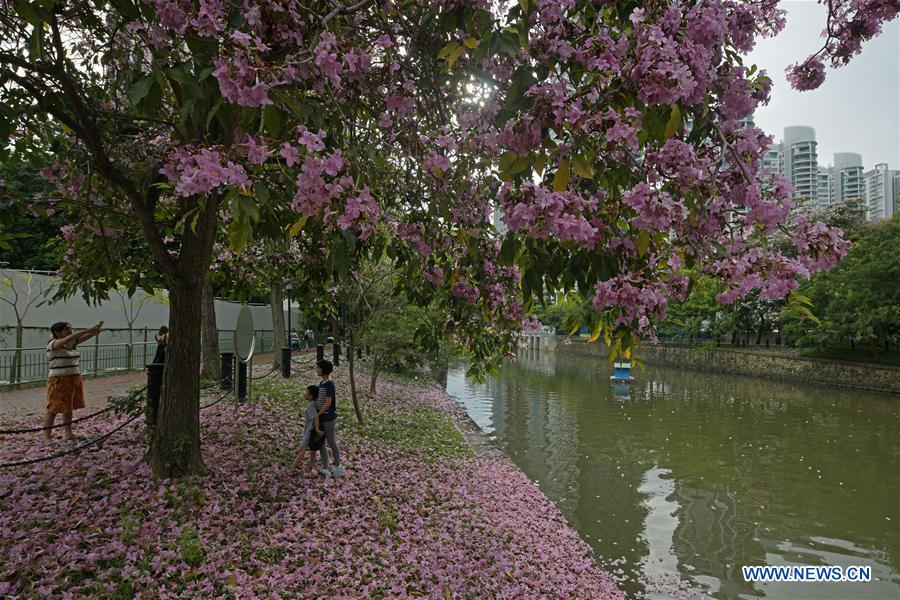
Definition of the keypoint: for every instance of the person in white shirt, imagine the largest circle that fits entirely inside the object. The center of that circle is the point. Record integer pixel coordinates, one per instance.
(65, 388)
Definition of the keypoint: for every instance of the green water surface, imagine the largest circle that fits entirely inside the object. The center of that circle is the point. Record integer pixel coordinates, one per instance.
(690, 476)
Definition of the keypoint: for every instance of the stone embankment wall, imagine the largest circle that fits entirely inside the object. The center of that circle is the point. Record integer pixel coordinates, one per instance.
(868, 376)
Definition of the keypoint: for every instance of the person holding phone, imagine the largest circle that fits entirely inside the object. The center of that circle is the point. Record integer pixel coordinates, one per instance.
(65, 388)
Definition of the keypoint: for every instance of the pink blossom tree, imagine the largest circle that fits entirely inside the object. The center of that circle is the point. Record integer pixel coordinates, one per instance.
(609, 134)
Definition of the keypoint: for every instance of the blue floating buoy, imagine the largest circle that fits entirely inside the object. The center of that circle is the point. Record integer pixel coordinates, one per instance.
(621, 373)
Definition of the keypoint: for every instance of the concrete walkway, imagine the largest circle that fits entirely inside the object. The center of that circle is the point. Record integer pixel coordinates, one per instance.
(16, 405)
(30, 403)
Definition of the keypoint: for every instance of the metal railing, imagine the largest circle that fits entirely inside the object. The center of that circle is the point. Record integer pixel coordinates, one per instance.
(29, 365)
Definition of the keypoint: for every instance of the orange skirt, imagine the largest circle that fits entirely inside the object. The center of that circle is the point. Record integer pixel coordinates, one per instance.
(65, 393)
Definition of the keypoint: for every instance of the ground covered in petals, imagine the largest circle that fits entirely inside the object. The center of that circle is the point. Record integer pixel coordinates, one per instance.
(415, 514)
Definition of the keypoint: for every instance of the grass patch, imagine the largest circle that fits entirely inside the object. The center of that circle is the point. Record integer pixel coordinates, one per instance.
(190, 547)
(427, 434)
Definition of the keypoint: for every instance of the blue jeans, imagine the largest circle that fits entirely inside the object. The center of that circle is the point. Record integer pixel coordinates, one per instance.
(330, 442)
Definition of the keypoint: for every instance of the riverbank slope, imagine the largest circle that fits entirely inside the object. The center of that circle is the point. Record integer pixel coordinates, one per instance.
(742, 361)
(417, 513)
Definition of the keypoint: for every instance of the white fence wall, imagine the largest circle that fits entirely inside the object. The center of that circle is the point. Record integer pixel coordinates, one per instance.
(154, 312)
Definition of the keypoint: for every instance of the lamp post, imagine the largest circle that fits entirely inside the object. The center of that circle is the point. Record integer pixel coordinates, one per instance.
(288, 289)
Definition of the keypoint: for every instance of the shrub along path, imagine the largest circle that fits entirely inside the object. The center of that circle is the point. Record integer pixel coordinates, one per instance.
(415, 514)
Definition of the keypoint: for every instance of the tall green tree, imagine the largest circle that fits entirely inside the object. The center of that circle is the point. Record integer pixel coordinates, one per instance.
(859, 299)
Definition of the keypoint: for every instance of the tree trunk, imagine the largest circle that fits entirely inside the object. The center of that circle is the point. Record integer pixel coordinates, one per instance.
(278, 322)
(376, 366)
(175, 447)
(15, 370)
(335, 330)
(175, 442)
(350, 355)
(209, 334)
(130, 352)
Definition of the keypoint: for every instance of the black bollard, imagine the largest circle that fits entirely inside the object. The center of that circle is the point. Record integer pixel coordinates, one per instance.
(242, 381)
(227, 370)
(154, 391)
(320, 352)
(336, 353)
(359, 352)
(286, 363)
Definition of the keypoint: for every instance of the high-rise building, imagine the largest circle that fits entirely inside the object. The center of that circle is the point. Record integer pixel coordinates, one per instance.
(746, 122)
(498, 222)
(882, 192)
(848, 177)
(773, 158)
(825, 187)
(800, 161)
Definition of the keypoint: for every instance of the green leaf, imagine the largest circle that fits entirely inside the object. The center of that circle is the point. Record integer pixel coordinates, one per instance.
(213, 111)
(154, 98)
(507, 43)
(273, 120)
(247, 207)
(523, 79)
(509, 250)
(187, 107)
(339, 260)
(583, 167)
(561, 179)
(454, 56)
(350, 238)
(296, 227)
(471, 43)
(674, 123)
(126, 8)
(523, 4)
(506, 160)
(643, 243)
(801, 298)
(261, 191)
(139, 90)
(239, 233)
(28, 12)
(36, 47)
(180, 73)
(446, 50)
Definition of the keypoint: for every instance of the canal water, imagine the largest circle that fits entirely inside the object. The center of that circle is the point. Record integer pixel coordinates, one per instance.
(686, 477)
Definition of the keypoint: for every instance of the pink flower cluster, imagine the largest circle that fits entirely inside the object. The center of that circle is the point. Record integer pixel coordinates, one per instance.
(202, 171)
(314, 192)
(544, 213)
(656, 210)
(466, 291)
(635, 301)
(360, 214)
(850, 23)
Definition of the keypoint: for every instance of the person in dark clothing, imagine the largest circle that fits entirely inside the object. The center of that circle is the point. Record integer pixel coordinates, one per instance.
(327, 417)
(162, 340)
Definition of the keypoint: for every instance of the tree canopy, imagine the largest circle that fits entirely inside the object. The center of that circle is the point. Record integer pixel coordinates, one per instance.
(609, 135)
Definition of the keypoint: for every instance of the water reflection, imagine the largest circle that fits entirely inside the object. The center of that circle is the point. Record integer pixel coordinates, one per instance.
(696, 475)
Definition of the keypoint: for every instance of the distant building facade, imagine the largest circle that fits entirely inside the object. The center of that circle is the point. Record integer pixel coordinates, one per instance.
(881, 192)
(800, 160)
(848, 177)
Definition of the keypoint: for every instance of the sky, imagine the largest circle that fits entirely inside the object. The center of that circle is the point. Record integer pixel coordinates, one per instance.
(857, 108)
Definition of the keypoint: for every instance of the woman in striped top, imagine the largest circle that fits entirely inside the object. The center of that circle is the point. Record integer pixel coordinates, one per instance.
(65, 390)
